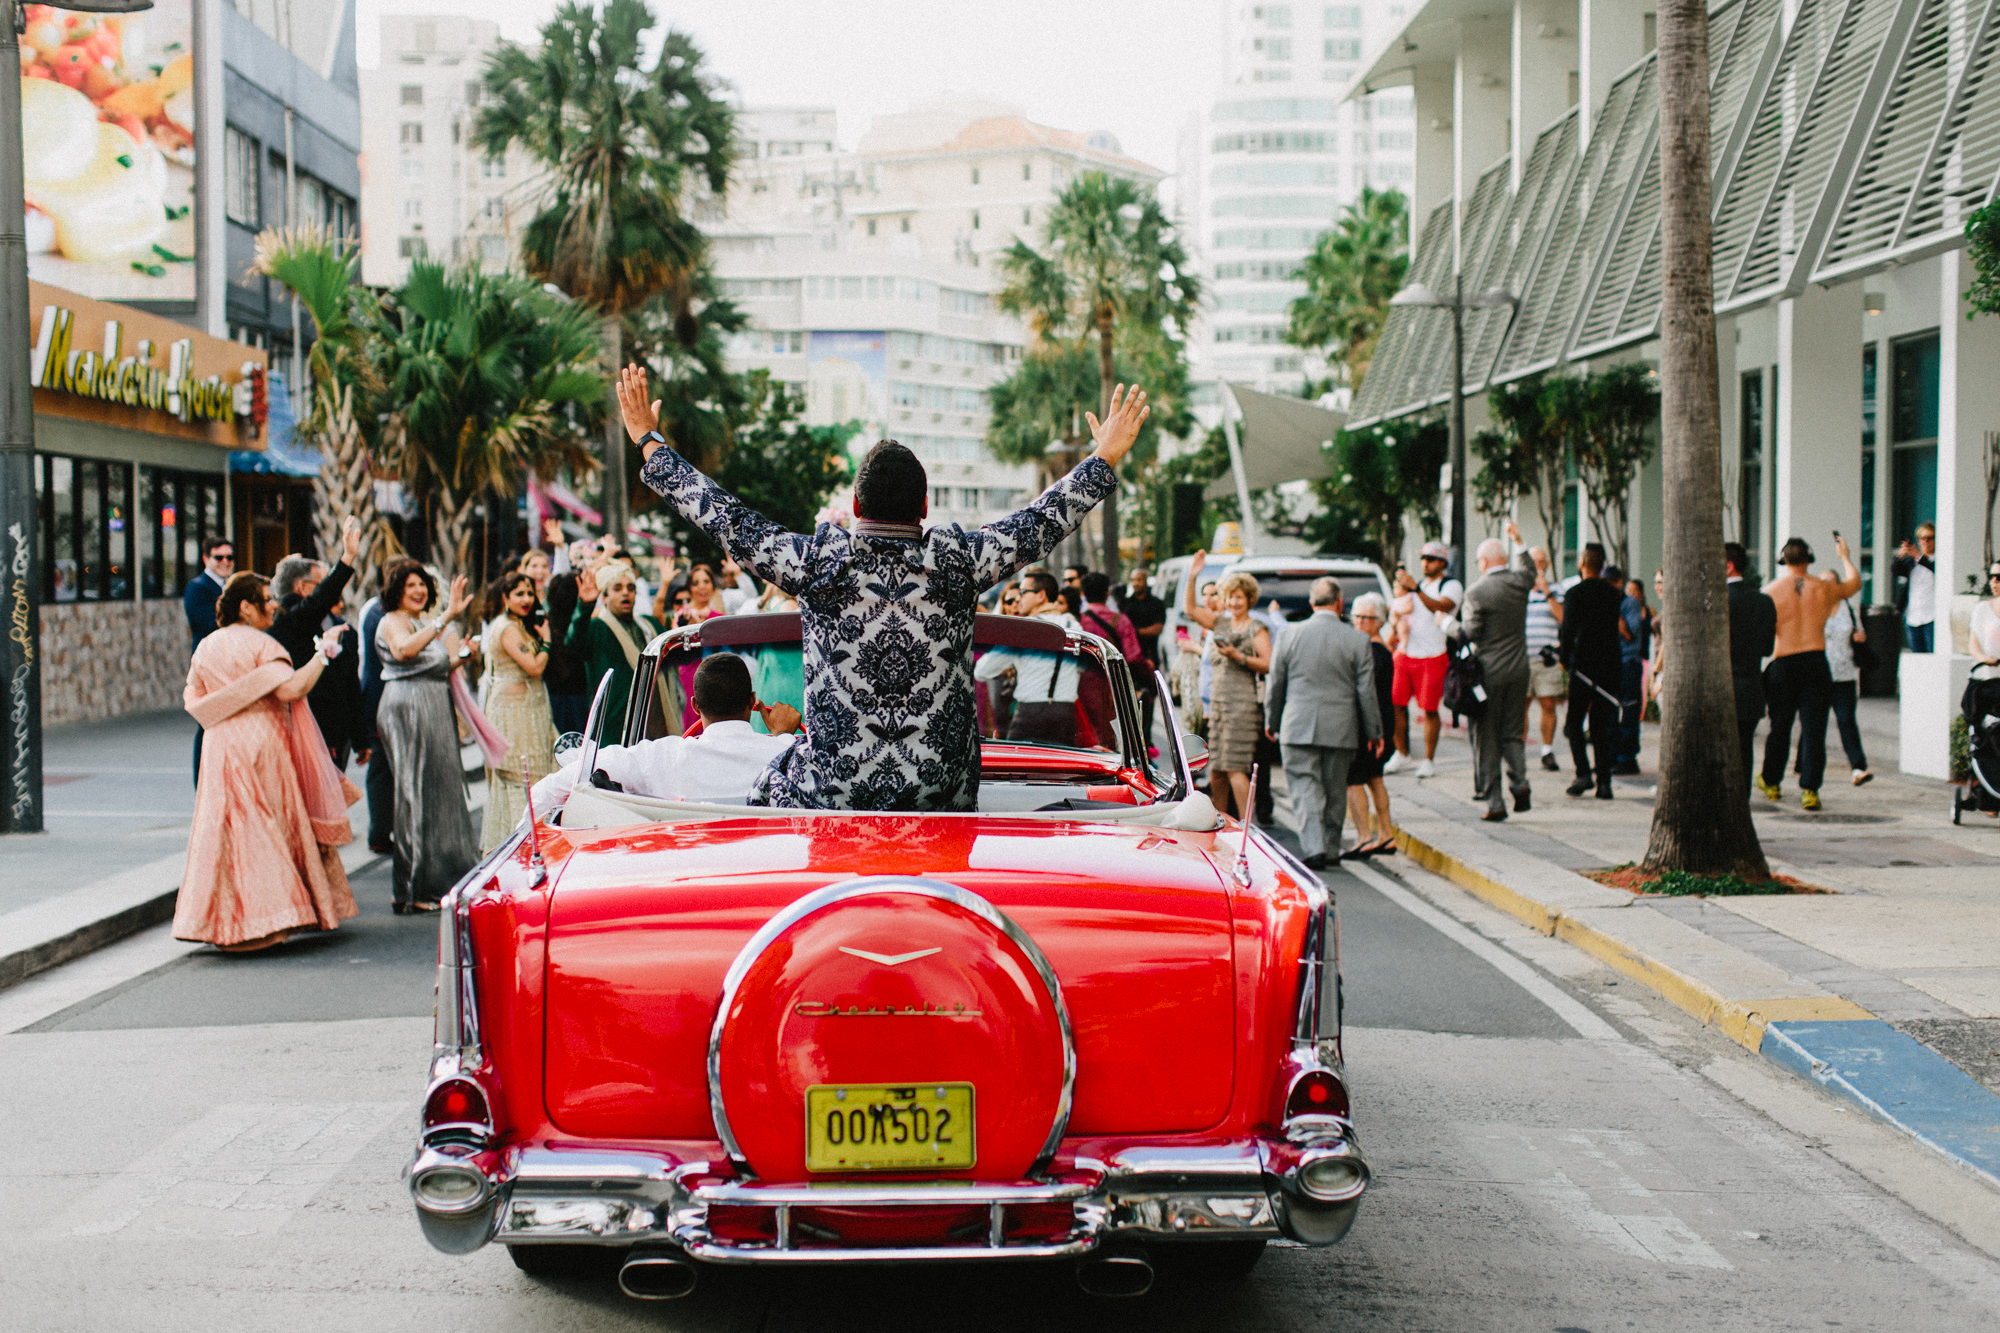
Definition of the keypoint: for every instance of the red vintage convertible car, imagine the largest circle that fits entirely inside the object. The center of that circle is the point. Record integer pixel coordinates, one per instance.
(1091, 1020)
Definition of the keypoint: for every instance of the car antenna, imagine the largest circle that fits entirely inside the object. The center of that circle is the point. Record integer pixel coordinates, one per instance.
(539, 869)
(1240, 872)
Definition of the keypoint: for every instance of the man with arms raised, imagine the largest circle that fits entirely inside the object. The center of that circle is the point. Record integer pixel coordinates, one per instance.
(887, 609)
(1798, 681)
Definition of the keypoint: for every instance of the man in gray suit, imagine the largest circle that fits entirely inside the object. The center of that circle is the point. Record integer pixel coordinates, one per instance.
(1320, 705)
(1496, 622)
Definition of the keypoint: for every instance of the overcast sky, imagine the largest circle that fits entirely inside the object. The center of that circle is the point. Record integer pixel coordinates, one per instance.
(1134, 67)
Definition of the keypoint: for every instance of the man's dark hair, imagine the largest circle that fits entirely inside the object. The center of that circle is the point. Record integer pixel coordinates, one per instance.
(1797, 551)
(1081, 571)
(722, 686)
(1614, 574)
(208, 547)
(1096, 587)
(1738, 558)
(1597, 547)
(891, 486)
(1591, 562)
(1042, 582)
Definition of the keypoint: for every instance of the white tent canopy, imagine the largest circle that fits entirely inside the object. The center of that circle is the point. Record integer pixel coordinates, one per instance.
(1281, 440)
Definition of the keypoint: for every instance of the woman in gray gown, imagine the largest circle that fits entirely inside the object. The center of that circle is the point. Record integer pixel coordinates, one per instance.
(434, 838)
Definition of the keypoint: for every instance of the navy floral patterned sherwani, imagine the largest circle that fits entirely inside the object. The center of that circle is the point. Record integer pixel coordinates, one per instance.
(887, 612)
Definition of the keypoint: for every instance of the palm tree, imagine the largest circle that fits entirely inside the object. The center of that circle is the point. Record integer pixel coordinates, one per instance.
(1701, 818)
(624, 145)
(1354, 269)
(1110, 265)
(489, 375)
(321, 269)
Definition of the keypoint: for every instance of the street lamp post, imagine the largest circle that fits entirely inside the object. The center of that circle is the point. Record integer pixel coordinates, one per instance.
(20, 650)
(1416, 294)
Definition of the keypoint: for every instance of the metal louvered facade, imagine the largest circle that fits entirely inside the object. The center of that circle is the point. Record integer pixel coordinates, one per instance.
(1857, 136)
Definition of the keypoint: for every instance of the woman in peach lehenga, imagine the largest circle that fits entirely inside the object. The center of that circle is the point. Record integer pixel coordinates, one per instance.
(270, 807)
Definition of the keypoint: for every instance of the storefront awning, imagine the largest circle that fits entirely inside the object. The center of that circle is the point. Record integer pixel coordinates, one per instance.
(286, 455)
(1282, 439)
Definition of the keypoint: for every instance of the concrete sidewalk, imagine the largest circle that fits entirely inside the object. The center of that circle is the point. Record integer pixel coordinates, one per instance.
(1885, 991)
(117, 799)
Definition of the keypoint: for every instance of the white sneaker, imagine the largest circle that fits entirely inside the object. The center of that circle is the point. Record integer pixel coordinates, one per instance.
(1398, 761)
(1425, 770)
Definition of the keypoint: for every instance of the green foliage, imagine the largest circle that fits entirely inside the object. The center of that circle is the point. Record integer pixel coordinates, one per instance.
(323, 271)
(1503, 476)
(1684, 883)
(701, 401)
(490, 379)
(1381, 475)
(1982, 235)
(624, 144)
(1354, 269)
(1613, 433)
(1530, 416)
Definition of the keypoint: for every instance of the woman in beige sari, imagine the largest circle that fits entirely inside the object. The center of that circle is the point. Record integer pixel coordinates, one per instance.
(512, 697)
(270, 808)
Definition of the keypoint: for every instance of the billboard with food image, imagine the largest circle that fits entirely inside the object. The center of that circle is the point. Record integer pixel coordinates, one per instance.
(107, 137)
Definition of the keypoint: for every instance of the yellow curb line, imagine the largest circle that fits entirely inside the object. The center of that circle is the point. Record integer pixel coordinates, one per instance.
(1742, 1021)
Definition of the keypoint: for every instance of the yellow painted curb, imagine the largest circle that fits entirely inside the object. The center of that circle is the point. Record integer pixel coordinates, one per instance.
(1742, 1021)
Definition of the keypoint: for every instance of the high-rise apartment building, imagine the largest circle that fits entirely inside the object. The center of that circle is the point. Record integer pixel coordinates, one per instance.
(1269, 164)
(869, 275)
(425, 190)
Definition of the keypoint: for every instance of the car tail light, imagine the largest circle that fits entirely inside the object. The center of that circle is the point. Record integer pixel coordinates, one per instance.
(456, 1103)
(1317, 1093)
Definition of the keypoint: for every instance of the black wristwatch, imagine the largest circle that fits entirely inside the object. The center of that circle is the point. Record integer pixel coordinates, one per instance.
(651, 435)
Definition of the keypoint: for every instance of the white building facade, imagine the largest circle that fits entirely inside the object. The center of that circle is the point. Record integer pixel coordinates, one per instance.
(1269, 165)
(869, 276)
(1851, 139)
(425, 191)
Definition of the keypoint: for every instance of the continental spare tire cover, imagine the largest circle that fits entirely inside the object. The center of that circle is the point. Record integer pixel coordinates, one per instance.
(899, 1008)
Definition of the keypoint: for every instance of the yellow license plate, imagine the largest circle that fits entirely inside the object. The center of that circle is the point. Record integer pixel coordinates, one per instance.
(889, 1127)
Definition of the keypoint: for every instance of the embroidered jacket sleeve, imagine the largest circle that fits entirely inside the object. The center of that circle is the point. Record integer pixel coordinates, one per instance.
(768, 550)
(1026, 535)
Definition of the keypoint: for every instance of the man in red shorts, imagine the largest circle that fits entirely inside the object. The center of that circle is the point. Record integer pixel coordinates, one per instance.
(1422, 606)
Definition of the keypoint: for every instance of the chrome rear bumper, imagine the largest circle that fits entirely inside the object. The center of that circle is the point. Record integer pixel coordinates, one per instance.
(1254, 1189)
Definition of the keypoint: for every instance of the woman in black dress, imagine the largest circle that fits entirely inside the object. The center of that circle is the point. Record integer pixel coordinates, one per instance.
(1364, 774)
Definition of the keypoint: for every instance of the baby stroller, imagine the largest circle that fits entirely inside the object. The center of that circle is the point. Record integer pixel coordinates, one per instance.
(1981, 706)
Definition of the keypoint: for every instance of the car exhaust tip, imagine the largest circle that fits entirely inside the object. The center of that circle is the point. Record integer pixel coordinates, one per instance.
(1120, 1273)
(657, 1277)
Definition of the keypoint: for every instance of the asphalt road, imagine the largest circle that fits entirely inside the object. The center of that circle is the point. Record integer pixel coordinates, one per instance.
(213, 1143)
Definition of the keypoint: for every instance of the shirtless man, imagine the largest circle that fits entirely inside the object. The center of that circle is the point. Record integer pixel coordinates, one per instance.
(1797, 681)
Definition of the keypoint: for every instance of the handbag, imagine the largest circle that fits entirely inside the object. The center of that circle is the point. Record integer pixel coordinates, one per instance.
(1865, 656)
(1464, 682)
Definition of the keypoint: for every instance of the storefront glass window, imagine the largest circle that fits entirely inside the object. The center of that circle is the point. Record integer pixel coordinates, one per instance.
(177, 512)
(1914, 423)
(86, 528)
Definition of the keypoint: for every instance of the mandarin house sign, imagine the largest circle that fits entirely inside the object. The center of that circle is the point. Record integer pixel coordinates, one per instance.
(126, 367)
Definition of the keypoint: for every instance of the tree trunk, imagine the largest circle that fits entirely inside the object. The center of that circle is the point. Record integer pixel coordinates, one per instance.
(1701, 818)
(1107, 379)
(616, 507)
(451, 534)
(345, 488)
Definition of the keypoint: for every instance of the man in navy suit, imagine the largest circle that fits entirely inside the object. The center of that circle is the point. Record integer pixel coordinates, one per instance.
(218, 562)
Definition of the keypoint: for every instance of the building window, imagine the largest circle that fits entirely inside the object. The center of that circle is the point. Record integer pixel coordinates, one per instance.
(871, 226)
(1027, 217)
(493, 249)
(968, 498)
(493, 169)
(1913, 427)
(413, 131)
(413, 209)
(495, 208)
(940, 499)
(1278, 16)
(1027, 171)
(906, 224)
(1866, 553)
(412, 169)
(413, 94)
(475, 92)
(975, 219)
(1343, 16)
(410, 247)
(975, 175)
(242, 178)
(1750, 463)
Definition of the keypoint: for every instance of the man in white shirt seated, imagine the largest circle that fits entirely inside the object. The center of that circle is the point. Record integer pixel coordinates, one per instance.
(720, 764)
(1044, 682)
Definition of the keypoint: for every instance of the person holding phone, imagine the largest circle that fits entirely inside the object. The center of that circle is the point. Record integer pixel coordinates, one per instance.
(1798, 682)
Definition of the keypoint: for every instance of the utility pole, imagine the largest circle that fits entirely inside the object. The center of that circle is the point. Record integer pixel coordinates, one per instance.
(20, 653)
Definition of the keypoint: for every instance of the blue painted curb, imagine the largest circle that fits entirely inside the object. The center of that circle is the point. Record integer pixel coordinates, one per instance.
(1899, 1080)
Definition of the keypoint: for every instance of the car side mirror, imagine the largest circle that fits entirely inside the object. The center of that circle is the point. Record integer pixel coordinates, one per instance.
(1196, 750)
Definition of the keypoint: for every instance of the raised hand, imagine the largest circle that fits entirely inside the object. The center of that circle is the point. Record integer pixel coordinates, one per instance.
(552, 531)
(1194, 567)
(586, 585)
(632, 405)
(1120, 427)
(350, 540)
(460, 599)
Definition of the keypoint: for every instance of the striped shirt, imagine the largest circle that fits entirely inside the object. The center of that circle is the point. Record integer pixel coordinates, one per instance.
(1543, 628)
